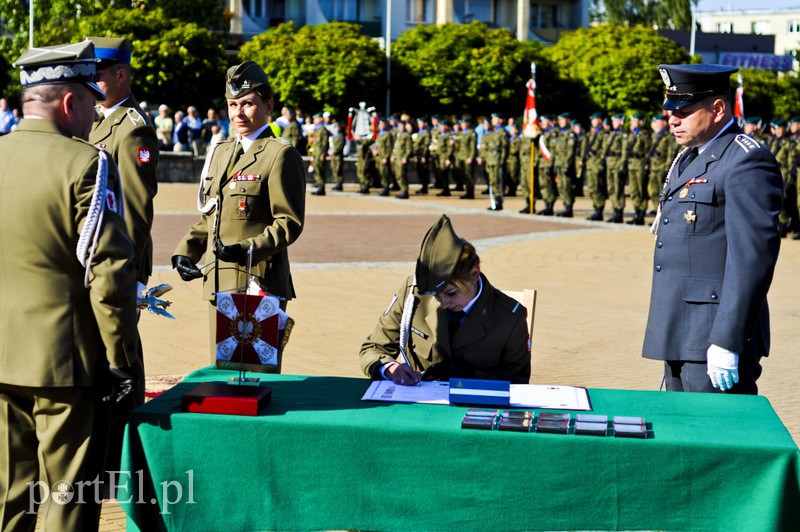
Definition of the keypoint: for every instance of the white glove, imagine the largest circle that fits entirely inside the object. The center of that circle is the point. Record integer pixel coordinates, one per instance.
(723, 367)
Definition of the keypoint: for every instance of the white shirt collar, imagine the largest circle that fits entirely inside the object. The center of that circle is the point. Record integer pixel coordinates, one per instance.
(702, 148)
(249, 139)
(469, 305)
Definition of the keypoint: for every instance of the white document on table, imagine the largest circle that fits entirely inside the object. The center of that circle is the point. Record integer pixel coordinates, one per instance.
(522, 395)
(549, 397)
(428, 392)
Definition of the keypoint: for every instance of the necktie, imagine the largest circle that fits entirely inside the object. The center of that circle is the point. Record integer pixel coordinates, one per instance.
(236, 155)
(455, 323)
(691, 156)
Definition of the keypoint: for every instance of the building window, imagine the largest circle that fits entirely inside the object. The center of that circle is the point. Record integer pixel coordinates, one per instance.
(793, 26)
(544, 15)
(417, 10)
(760, 27)
(724, 27)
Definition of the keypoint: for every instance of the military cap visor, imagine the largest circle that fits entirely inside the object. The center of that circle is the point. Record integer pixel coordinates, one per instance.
(64, 63)
(438, 257)
(243, 79)
(689, 84)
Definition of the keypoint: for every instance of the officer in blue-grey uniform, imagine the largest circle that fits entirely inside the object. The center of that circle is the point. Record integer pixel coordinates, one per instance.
(717, 241)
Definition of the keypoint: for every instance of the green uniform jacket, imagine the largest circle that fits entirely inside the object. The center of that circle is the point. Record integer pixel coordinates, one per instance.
(422, 144)
(492, 340)
(563, 150)
(385, 145)
(320, 145)
(265, 208)
(337, 143)
(54, 331)
(637, 147)
(467, 146)
(402, 146)
(444, 147)
(128, 136)
(293, 133)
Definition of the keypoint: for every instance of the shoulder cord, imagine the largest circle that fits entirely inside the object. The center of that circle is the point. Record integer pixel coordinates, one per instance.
(94, 219)
(202, 206)
(405, 321)
(657, 221)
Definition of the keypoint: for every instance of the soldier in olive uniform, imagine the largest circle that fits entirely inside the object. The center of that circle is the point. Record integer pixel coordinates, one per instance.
(545, 166)
(365, 161)
(493, 152)
(594, 165)
(564, 160)
(441, 154)
(637, 150)
(448, 321)
(293, 133)
(337, 142)
(69, 348)
(511, 176)
(526, 175)
(422, 143)
(466, 153)
(401, 152)
(252, 194)
(319, 153)
(615, 168)
(393, 126)
(752, 128)
(382, 151)
(663, 149)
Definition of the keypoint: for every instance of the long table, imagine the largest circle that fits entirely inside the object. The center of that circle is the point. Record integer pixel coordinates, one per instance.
(320, 458)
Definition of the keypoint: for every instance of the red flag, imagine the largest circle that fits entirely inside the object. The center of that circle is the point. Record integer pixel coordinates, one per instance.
(738, 106)
(530, 121)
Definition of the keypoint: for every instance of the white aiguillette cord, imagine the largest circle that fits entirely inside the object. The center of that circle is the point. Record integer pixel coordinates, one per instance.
(405, 321)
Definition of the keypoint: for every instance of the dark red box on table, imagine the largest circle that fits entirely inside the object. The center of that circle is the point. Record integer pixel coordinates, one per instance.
(224, 398)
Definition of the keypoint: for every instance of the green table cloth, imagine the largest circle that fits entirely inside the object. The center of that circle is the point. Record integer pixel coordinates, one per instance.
(320, 458)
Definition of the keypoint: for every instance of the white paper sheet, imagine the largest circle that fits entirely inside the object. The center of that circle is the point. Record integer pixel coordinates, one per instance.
(541, 396)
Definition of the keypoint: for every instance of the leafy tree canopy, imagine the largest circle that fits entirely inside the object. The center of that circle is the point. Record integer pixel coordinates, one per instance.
(667, 14)
(617, 65)
(329, 66)
(467, 67)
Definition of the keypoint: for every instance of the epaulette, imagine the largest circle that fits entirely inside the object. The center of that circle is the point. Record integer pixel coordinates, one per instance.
(508, 302)
(746, 143)
(135, 117)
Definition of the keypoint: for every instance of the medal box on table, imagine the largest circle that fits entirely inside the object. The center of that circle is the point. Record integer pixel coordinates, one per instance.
(557, 423)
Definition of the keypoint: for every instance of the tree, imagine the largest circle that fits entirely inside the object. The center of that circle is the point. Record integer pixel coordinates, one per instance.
(670, 14)
(175, 63)
(204, 13)
(464, 67)
(617, 65)
(328, 66)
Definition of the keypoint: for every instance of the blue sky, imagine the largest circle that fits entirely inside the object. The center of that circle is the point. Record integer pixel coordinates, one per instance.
(713, 5)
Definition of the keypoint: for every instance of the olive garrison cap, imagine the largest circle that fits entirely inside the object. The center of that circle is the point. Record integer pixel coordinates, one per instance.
(752, 120)
(688, 84)
(63, 63)
(438, 256)
(111, 50)
(598, 114)
(244, 79)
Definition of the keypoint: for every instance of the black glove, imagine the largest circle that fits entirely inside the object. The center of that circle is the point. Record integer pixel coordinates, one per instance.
(186, 267)
(233, 253)
(123, 384)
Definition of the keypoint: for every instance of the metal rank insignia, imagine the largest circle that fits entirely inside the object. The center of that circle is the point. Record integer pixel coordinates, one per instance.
(690, 217)
(684, 192)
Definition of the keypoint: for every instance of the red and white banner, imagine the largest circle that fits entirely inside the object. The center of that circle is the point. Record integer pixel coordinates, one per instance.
(738, 105)
(530, 121)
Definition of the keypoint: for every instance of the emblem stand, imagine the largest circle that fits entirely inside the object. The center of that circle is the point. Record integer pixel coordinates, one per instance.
(242, 379)
(240, 395)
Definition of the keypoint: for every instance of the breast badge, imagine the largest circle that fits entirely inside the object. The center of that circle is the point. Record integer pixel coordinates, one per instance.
(690, 217)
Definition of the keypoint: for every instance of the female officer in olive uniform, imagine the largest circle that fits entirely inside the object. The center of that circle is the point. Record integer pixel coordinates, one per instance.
(252, 192)
(449, 321)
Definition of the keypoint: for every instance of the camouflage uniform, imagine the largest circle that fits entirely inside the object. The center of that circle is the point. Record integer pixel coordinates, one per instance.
(422, 142)
(546, 169)
(511, 178)
(401, 152)
(594, 166)
(564, 161)
(615, 172)
(466, 152)
(525, 146)
(383, 146)
(493, 153)
(637, 150)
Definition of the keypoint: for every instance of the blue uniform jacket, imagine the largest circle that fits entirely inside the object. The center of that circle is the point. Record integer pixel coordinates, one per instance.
(715, 253)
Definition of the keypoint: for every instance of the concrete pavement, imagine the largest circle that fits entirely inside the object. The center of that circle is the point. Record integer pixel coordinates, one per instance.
(593, 282)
